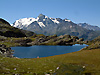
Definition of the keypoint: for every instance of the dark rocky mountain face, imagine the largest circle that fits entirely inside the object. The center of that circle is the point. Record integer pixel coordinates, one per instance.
(50, 26)
(73, 29)
(2, 21)
(8, 31)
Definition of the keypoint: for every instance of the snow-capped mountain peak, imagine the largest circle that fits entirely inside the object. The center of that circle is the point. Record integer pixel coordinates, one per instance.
(41, 20)
(25, 22)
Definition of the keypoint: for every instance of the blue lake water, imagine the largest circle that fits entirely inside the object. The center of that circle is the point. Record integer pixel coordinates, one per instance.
(44, 51)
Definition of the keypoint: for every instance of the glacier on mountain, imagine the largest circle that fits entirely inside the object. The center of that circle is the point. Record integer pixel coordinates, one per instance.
(25, 22)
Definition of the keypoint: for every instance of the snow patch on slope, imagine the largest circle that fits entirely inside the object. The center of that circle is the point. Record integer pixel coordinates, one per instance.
(46, 16)
(54, 20)
(68, 20)
(41, 24)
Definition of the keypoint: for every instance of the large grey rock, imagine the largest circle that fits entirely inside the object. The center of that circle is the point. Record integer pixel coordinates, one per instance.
(5, 51)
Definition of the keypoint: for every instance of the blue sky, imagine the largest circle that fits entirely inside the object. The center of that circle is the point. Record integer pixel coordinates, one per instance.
(78, 11)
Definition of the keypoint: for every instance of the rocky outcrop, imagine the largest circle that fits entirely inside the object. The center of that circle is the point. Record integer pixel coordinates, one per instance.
(54, 40)
(94, 44)
(5, 51)
(24, 42)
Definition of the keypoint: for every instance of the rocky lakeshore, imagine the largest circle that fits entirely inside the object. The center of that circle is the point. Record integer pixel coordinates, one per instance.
(5, 51)
(7, 42)
(51, 40)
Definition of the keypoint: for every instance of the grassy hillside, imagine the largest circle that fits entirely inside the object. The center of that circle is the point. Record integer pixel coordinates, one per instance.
(94, 44)
(77, 63)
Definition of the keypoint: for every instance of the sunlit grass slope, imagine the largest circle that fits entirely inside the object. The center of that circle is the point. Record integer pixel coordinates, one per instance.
(77, 63)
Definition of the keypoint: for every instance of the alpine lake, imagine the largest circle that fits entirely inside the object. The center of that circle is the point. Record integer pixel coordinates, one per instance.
(44, 51)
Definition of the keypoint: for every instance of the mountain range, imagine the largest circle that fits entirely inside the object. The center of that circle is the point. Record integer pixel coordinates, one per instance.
(50, 26)
(89, 27)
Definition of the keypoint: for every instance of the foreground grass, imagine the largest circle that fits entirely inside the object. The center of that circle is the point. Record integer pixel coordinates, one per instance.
(77, 63)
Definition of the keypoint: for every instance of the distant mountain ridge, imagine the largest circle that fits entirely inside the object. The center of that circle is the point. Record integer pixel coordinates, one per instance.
(50, 26)
(89, 27)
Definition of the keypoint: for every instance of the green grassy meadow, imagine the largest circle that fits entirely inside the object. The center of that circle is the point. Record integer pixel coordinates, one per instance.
(85, 62)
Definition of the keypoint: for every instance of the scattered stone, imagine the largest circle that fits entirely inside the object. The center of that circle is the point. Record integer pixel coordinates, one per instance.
(83, 66)
(50, 70)
(14, 68)
(28, 68)
(7, 69)
(57, 68)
